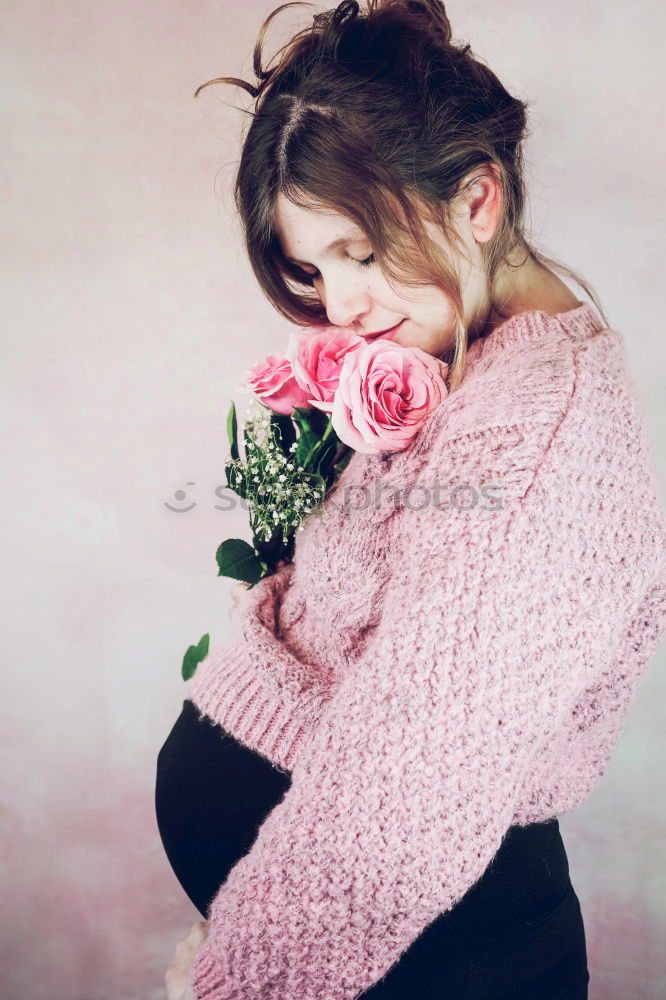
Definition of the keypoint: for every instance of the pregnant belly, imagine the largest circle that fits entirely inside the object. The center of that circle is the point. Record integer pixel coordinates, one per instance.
(212, 794)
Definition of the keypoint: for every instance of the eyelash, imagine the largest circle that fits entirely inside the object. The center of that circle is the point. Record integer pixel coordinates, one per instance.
(362, 263)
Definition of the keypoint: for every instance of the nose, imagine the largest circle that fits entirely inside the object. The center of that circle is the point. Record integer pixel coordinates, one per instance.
(345, 304)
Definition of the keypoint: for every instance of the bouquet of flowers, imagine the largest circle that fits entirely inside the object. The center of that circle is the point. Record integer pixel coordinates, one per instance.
(331, 393)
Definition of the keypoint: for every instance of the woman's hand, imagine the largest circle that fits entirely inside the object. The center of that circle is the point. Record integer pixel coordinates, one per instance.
(237, 591)
(240, 587)
(178, 976)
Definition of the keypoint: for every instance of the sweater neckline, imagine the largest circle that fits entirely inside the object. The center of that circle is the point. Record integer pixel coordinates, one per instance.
(583, 320)
(578, 321)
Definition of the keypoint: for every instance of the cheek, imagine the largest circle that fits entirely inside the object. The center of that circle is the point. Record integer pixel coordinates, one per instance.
(439, 313)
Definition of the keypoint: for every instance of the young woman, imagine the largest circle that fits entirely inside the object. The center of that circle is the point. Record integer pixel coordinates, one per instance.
(362, 790)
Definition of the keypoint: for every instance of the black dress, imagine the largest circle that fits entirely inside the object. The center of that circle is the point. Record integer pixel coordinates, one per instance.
(517, 934)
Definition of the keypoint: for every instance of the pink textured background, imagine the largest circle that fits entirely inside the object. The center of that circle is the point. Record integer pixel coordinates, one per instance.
(130, 314)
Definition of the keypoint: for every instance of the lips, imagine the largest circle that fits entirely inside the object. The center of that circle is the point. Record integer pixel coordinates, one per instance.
(384, 334)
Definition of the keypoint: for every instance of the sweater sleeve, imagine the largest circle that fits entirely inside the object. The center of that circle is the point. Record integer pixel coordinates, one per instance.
(253, 685)
(414, 773)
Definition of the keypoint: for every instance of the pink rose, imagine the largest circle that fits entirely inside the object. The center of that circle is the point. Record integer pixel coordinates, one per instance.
(317, 356)
(272, 380)
(386, 393)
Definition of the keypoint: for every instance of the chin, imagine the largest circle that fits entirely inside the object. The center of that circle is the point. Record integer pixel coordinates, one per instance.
(411, 342)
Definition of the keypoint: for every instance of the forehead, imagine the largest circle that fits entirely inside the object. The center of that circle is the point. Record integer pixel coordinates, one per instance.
(302, 231)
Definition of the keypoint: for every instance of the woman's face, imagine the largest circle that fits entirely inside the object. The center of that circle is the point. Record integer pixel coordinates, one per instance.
(354, 291)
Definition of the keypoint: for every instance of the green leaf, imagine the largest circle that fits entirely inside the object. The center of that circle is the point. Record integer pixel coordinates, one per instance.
(313, 458)
(308, 439)
(194, 656)
(317, 420)
(237, 559)
(232, 430)
(316, 430)
(306, 420)
(302, 413)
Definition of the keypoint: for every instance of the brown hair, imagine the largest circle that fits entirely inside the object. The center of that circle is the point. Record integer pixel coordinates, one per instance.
(380, 117)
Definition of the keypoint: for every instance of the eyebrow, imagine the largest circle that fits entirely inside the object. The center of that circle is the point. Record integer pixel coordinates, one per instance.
(341, 241)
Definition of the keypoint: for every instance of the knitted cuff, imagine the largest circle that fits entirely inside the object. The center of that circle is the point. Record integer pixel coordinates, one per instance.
(228, 688)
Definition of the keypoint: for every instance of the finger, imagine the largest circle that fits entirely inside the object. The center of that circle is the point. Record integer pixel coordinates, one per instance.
(200, 930)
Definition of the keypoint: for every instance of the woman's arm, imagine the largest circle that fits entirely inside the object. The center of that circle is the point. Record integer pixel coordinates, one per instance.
(425, 754)
(254, 686)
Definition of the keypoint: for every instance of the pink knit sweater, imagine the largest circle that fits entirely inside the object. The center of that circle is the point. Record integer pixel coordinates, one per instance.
(441, 662)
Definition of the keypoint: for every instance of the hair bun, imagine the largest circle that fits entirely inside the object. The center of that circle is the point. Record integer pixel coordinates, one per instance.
(433, 13)
(347, 10)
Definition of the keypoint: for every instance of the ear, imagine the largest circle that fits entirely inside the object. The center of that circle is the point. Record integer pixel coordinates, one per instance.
(481, 201)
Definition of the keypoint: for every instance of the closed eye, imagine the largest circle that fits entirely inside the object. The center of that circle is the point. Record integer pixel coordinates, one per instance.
(362, 263)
